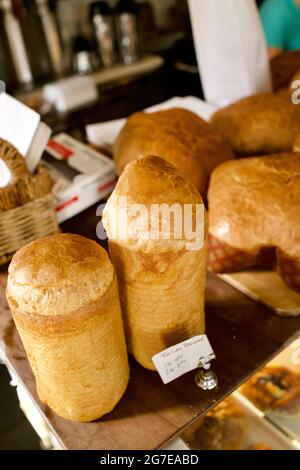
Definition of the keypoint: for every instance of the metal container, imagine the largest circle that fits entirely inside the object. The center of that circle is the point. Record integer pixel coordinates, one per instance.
(101, 17)
(127, 31)
(83, 57)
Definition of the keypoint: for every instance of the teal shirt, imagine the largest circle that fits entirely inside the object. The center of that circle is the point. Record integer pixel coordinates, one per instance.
(281, 23)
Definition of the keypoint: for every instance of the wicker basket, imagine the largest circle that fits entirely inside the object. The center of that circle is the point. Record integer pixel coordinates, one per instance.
(27, 209)
(13, 159)
(24, 224)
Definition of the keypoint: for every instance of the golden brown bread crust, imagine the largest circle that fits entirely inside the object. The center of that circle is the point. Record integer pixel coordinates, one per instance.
(77, 353)
(296, 146)
(44, 275)
(179, 136)
(161, 282)
(258, 124)
(254, 204)
(274, 389)
(259, 446)
(283, 67)
(224, 428)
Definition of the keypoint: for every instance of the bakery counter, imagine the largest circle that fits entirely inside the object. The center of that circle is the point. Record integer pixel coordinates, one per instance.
(244, 334)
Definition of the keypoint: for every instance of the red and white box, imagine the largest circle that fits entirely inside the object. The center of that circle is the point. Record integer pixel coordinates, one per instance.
(82, 176)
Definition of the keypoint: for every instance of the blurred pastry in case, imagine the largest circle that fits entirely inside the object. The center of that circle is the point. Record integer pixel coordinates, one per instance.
(275, 389)
(225, 427)
(180, 137)
(296, 147)
(259, 124)
(259, 446)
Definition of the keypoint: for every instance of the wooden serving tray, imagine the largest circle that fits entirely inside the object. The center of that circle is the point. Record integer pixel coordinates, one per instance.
(266, 287)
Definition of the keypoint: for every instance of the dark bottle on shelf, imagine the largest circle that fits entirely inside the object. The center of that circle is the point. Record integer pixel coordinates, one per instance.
(127, 31)
(35, 40)
(7, 71)
(83, 55)
(46, 12)
(16, 44)
(102, 21)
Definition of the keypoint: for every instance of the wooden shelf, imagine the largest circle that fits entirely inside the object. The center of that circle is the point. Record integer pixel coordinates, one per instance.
(244, 334)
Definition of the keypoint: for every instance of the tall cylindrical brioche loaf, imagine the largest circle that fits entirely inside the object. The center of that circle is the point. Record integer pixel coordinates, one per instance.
(63, 295)
(161, 280)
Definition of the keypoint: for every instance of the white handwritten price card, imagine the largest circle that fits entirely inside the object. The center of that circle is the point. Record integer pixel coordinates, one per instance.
(183, 357)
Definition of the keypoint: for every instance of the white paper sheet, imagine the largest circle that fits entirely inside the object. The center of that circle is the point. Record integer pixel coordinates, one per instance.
(18, 123)
(105, 133)
(183, 357)
(230, 48)
(22, 127)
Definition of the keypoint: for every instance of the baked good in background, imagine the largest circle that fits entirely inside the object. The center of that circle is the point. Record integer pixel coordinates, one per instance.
(275, 389)
(291, 92)
(180, 136)
(63, 296)
(161, 281)
(259, 446)
(258, 124)
(289, 357)
(254, 206)
(225, 427)
(296, 146)
(283, 68)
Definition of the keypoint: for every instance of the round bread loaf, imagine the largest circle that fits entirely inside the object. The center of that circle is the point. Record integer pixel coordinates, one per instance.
(258, 124)
(63, 296)
(254, 206)
(180, 136)
(161, 271)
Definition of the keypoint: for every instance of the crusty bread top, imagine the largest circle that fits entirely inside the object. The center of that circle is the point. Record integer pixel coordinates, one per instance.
(58, 274)
(296, 146)
(149, 180)
(255, 203)
(283, 67)
(258, 124)
(180, 136)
